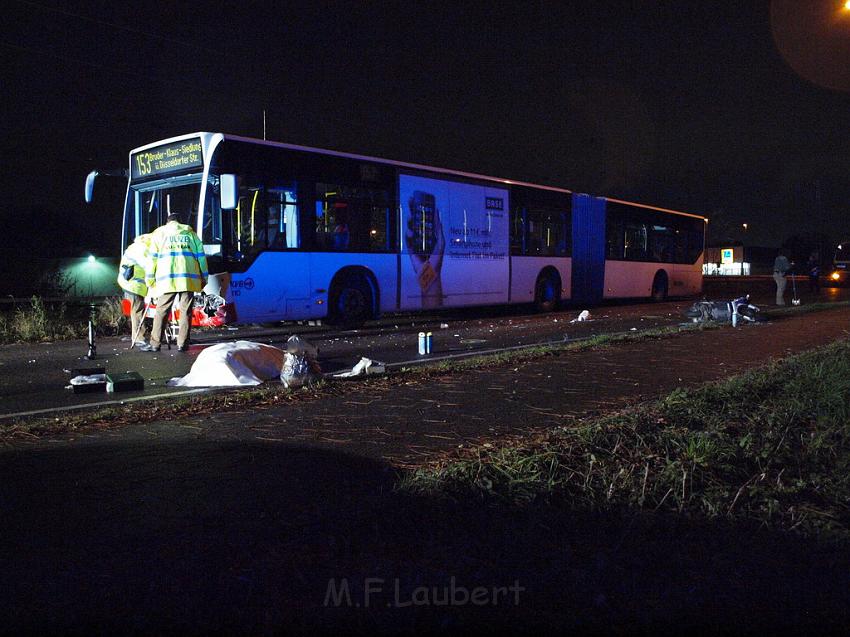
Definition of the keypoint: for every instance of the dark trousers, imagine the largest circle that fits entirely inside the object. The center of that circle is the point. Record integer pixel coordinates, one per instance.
(137, 317)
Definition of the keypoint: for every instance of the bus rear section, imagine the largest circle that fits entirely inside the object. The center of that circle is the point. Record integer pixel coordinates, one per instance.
(626, 250)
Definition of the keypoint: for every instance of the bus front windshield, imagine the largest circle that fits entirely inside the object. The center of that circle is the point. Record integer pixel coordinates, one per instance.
(152, 203)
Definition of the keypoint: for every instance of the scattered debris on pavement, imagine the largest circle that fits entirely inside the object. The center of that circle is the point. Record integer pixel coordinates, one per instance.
(364, 366)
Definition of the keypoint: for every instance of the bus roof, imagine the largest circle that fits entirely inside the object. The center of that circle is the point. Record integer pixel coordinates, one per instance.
(207, 136)
(391, 162)
(643, 205)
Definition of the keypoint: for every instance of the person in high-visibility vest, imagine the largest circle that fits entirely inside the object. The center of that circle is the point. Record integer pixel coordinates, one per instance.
(177, 268)
(132, 279)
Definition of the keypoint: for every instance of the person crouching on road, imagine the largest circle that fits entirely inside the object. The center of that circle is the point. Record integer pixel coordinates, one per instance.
(177, 268)
(131, 278)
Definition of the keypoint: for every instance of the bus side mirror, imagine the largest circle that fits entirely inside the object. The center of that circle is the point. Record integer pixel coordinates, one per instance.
(229, 191)
(90, 185)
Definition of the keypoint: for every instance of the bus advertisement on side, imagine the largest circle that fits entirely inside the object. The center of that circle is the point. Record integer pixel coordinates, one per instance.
(454, 243)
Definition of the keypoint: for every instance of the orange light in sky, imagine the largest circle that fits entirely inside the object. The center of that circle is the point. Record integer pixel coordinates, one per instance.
(814, 39)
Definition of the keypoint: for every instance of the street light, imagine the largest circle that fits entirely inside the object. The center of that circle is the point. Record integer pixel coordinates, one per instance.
(91, 265)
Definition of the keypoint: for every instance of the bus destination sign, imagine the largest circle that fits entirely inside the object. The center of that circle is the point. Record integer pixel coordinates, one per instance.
(166, 159)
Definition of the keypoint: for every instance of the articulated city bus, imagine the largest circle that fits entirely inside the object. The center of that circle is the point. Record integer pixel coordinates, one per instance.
(295, 233)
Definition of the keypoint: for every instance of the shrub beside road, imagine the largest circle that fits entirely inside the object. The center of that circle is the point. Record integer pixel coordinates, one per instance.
(41, 321)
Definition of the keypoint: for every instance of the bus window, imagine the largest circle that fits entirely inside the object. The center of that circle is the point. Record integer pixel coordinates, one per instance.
(540, 223)
(352, 219)
(246, 220)
(211, 231)
(332, 230)
(290, 222)
(281, 230)
(663, 244)
(517, 231)
(634, 243)
(614, 237)
(695, 239)
(379, 224)
(547, 233)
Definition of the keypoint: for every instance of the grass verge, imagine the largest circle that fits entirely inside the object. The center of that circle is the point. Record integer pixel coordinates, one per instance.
(40, 321)
(771, 446)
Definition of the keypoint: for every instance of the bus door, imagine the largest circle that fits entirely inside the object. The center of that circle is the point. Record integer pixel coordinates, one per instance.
(269, 274)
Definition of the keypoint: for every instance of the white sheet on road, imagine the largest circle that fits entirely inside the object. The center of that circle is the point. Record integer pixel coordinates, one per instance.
(232, 364)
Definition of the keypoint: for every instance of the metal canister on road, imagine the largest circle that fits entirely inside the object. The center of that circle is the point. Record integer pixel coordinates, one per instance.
(422, 343)
(428, 341)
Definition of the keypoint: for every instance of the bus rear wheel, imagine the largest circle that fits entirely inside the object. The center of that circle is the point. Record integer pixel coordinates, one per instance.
(547, 292)
(351, 302)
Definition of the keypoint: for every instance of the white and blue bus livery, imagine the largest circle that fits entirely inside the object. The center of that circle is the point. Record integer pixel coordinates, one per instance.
(296, 233)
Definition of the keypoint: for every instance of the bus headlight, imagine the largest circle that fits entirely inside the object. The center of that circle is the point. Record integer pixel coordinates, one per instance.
(835, 276)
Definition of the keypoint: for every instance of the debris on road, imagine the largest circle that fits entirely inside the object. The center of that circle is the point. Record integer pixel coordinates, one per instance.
(124, 381)
(364, 366)
(90, 383)
(299, 363)
(723, 311)
(583, 316)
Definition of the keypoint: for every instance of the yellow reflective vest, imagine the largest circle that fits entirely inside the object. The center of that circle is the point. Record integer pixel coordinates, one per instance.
(176, 261)
(133, 264)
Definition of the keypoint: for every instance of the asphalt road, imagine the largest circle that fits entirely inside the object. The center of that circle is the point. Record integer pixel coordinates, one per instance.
(35, 377)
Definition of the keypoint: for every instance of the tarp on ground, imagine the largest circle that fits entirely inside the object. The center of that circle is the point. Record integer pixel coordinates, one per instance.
(233, 364)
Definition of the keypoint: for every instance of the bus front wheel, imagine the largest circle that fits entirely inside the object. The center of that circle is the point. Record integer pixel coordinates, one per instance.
(547, 292)
(351, 302)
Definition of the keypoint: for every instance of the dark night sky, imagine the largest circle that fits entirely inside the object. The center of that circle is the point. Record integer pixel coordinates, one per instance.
(735, 109)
